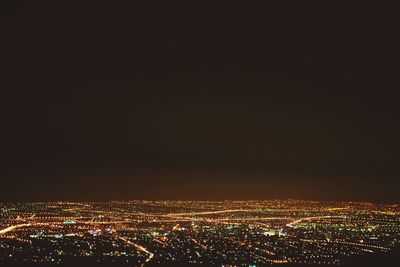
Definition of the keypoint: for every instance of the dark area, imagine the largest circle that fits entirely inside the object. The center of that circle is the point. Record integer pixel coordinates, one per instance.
(387, 259)
(199, 101)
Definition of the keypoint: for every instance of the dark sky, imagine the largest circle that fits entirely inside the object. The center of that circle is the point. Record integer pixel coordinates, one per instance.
(113, 101)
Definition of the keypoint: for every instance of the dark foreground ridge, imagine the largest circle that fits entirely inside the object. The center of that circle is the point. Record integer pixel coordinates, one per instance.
(391, 258)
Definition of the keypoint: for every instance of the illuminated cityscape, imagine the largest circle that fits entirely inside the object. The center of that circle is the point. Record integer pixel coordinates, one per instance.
(224, 134)
(211, 233)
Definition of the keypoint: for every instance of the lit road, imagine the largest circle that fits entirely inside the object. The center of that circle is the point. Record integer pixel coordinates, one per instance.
(311, 218)
(138, 247)
(208, 212)
(13, 227)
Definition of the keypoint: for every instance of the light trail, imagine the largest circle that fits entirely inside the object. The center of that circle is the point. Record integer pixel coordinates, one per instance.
(291, 225)
(188, 219)
(209, 212)
(252, 219)
(198, 243)
(138, 247)
(359, 244)
(271, 253)
(160, 242)
(336, 209)
(13, 227)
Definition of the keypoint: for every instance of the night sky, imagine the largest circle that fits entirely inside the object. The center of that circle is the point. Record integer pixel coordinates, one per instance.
(102, 101)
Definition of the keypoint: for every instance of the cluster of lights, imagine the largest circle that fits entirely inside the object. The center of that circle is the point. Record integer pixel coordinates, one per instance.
(202, 232)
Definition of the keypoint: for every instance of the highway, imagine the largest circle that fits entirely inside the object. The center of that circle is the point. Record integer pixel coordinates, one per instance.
(209, 212)
(311, 218)
(138, 247)
(13, 227)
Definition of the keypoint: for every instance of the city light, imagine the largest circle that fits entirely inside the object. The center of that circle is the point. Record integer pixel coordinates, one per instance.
(197, 232)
